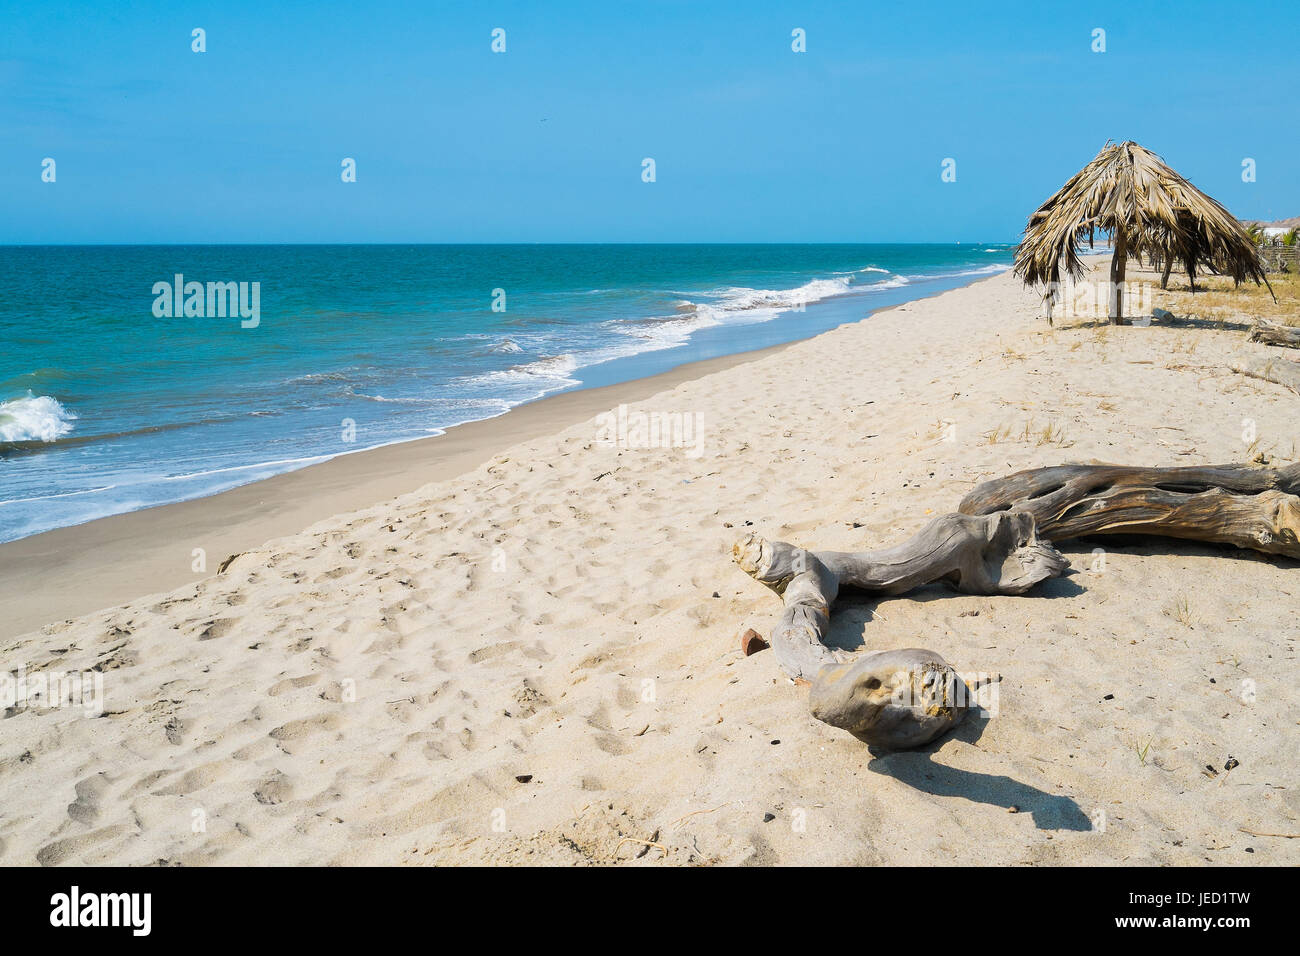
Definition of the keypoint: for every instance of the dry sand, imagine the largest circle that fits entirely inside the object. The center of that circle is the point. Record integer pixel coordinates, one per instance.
(538, 661)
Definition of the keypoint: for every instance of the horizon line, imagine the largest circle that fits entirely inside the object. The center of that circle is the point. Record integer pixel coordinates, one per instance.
(952, 242)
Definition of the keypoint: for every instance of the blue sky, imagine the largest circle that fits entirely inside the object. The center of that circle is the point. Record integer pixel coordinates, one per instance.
(752, 141)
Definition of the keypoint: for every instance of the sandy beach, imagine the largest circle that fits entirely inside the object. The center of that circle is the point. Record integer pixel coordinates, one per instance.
(531, 654)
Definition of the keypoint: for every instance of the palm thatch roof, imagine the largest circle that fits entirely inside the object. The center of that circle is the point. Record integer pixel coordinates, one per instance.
(1147, 209)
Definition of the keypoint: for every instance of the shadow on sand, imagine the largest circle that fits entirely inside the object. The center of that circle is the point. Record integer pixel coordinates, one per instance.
(917, 768)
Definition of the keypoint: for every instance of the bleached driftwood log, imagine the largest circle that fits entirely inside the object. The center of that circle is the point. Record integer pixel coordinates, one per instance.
(908, 697)
(1271, 333)
(894, 699)
(993, 554)
(1279, 371)
(1249, 507)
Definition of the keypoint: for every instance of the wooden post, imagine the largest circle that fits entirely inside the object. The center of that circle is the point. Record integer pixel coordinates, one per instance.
(1118, 262)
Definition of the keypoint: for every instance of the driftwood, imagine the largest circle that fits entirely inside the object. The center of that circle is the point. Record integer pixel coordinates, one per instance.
(1276, 370)
(1249, 507)
(908, 697)
(893, 699)
(993, 554)
(1270, 333)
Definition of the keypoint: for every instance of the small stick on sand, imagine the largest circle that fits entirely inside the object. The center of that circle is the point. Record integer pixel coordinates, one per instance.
(645, 843)
(1285, 836)
(694, 812)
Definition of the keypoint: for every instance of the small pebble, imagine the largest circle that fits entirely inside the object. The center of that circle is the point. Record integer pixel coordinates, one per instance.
(769, 817)
(1232, 762)
(524, 777)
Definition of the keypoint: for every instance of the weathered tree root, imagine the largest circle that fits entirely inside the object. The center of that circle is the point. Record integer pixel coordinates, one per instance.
(895, 699)
(1270, 333)
(908, 697)
(1255, 508)
(892, 698)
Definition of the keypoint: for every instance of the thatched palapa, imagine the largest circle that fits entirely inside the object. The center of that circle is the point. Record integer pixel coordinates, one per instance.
(1148, 210)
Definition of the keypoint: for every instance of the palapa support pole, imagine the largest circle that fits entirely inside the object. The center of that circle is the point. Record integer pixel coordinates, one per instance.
(1118, 266)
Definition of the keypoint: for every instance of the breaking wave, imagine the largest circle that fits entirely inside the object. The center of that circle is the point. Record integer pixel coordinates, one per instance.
(34, 418)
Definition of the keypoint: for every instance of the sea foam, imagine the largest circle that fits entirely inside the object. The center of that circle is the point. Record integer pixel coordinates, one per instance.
(34, 418)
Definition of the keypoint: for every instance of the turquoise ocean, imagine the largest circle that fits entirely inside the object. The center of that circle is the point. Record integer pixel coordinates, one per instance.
(111, 402)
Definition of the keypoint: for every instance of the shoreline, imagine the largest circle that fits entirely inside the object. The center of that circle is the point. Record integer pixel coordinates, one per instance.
(67, 568)
(552, 639)
(80, 444)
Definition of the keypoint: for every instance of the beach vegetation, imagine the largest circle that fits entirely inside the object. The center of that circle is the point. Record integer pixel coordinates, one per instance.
(1181, 610)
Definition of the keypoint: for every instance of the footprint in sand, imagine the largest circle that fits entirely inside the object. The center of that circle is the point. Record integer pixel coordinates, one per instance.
(296, 729)
(292, 683)
(527, 700)
(175, 731)
(277, 787)
(85, 809)
(217, 628)
(115, 657)
(198, 778)
(52, 854)
(612, 745)
(492, 651)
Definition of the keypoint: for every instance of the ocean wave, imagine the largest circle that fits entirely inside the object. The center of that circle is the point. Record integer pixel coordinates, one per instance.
(535, 379)
(61, 494)
(313, 377)
(271, 467)
(39, 378)
(388, 401)
(506, 345)
(740, 299)
(737, 305)
(655, 334)
(34, 418)
(893, 282)
(979, 271)
(557, 367)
